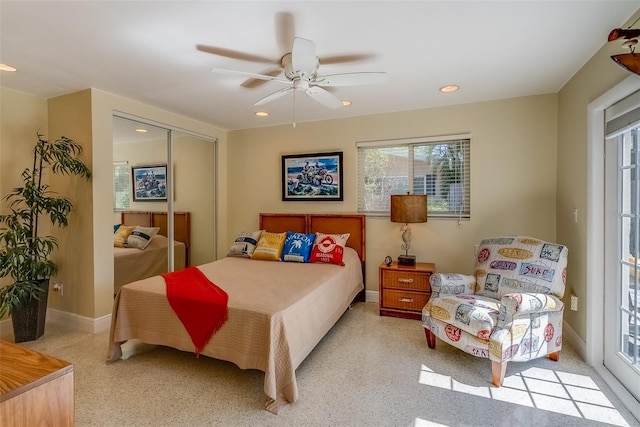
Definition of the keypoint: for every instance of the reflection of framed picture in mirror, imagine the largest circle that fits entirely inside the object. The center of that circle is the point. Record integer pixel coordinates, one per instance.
(149, 183)
(312, 177)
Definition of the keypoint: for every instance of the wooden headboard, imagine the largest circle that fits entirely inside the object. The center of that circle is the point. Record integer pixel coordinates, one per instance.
(324, 223)
(181, 225)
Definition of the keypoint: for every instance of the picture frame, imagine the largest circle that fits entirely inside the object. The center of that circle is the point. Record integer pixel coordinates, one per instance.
(312, 177)
(149, 183)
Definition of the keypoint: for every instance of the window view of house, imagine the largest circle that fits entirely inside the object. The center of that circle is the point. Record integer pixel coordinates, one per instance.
(438, 169)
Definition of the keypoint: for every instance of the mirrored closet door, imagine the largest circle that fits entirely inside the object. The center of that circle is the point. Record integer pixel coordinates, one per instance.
(164, 182)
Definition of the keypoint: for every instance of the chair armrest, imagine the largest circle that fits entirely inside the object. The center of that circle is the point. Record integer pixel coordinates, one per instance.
(444, 284)
(518, 304)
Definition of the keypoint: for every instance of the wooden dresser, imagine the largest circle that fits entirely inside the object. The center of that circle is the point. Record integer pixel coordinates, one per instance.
(35, 389)
(404, 291)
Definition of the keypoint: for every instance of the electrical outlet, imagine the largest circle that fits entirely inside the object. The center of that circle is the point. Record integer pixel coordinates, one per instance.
(574, 303)
(59, 288)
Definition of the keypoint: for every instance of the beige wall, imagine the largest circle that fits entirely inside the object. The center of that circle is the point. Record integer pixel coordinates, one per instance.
(70, 116)
(22, 116)
(513, 175)
(598, 75)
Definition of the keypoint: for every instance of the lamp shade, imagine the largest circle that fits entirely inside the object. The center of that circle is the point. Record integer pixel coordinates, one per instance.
(408, 208)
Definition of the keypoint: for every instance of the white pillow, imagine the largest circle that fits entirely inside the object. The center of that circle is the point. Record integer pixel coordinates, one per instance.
(141, 236)
(245, 244)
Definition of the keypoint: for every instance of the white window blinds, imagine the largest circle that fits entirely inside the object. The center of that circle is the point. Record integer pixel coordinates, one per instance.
(438, 167)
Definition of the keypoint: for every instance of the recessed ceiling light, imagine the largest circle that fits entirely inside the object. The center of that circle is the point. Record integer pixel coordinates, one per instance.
(346, 102)
(262, 113)
(5, 67)
(141, 130)
(449, 88)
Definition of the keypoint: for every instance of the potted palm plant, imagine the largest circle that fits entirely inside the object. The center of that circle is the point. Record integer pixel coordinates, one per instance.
(25, 256)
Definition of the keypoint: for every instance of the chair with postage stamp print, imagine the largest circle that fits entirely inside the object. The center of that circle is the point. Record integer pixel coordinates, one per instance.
(509, 310)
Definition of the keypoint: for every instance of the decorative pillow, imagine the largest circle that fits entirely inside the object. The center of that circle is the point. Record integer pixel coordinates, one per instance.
(121, 235)
(269, 246)
(115, 227)
(329, 248)
(297, 247)
(245, 244)
(141, 236)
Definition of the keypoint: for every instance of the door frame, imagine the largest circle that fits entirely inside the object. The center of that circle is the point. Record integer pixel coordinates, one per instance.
(594, 345)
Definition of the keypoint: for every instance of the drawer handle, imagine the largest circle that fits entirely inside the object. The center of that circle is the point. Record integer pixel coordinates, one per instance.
(403, 299)
(405, 280)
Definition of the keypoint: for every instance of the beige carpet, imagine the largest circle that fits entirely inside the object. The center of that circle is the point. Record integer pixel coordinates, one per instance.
(368, 371)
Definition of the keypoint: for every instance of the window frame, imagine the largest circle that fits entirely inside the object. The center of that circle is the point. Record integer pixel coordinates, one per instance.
(124, 166)
(462, 150)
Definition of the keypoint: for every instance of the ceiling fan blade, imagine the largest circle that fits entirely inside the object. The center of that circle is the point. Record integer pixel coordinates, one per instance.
(250, 75)
(273, 96)
(340, 59)
(303, 56)
(234, 54)
(351, 79)
(285, 31)
(324, 97)
(253, 82)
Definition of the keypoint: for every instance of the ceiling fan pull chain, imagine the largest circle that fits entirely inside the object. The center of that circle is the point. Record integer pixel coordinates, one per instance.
(294, 108)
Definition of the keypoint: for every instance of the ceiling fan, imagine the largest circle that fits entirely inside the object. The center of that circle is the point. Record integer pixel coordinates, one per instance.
(300, 67)
(301, 72)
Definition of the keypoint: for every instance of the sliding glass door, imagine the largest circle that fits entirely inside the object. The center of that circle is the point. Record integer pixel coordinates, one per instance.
(622, 245)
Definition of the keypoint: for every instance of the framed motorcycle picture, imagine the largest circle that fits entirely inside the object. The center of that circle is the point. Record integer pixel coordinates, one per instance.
(149, 183)
(312, 177)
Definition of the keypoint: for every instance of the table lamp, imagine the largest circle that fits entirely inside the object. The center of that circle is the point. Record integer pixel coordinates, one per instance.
(408, 209)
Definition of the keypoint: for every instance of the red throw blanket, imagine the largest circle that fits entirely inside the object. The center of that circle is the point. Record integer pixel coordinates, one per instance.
(200, 305)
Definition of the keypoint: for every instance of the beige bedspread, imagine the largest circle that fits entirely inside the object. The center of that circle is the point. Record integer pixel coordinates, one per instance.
(278, 312)
(131, 264)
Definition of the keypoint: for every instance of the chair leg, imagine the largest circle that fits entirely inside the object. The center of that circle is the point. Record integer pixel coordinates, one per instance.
(554, 356)
(497, 373)
(431, 338)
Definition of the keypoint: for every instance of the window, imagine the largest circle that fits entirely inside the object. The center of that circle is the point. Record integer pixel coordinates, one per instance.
(121, 186)
(438, 167)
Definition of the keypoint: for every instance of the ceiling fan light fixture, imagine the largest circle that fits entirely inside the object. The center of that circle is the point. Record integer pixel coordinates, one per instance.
(5, 67)
(346, 102)
(262, 113)
(449, 88)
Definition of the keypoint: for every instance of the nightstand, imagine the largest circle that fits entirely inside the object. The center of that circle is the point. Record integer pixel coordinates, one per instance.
(404, 291)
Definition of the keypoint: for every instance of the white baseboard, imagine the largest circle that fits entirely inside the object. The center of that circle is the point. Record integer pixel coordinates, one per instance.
(372, 296)
(79, 323)
(69, 320)
(570, 335)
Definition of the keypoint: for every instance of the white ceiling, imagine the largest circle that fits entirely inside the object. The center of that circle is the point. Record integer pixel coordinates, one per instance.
(149, 51)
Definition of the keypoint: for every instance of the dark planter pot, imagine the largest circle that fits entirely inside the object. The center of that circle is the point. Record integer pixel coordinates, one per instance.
(28, 322)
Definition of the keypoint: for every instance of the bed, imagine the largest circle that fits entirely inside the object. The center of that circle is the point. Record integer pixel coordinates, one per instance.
(277, 311)
(131, 264)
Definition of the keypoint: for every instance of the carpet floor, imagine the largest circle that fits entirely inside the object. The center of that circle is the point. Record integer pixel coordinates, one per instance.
(367, 371)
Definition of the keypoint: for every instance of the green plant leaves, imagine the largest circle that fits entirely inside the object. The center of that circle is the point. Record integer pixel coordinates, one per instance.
(24, 255)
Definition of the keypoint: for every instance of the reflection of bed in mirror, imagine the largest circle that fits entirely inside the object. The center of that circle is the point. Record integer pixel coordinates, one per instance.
(131, 264)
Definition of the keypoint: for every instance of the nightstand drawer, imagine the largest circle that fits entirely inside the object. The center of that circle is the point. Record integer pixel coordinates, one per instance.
(406, 280)
(404, 300)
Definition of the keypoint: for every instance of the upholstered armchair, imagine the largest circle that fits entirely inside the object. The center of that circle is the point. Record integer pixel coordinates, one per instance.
(509, 310)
